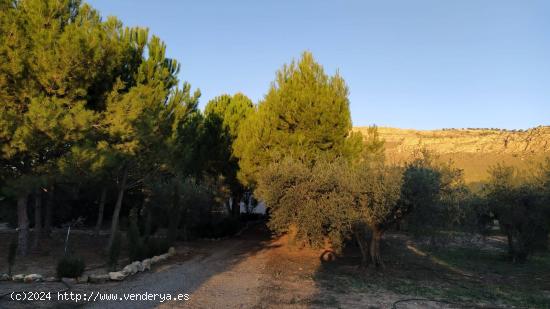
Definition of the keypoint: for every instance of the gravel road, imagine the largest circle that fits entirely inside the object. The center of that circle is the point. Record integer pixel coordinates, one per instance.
(212, 264)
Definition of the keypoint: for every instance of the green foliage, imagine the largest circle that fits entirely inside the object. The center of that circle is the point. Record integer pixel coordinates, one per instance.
(314, 198)
(140, 247)
(374, 147)
(379, 195)
(85, 99)
(224, 115)
(518, 203)
(435, 192)
(58, 62)
(335, 199)
(232, 110)
(70, 267)
(305, 115)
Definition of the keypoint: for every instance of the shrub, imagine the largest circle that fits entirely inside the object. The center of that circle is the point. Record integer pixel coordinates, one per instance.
(518, 205)
(313, 199)
(139, 247)
(70, 267)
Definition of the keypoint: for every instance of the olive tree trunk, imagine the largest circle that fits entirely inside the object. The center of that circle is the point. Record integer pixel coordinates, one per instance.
(376, 258)
(359, 231)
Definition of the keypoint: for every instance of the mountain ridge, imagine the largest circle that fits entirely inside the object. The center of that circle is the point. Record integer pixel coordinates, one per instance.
(473, 150)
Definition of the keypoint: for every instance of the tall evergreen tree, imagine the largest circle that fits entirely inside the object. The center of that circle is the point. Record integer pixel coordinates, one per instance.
(142, 120)
(57, 62)
(305, 114)
(224, 115)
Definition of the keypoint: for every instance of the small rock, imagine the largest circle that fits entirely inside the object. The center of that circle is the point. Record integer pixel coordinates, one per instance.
(146, 264)
(82, 279)
(130, 269)
(164, 256)
(18, 278)
(32, 278)
(117, 275)
(171, 251)
(50, 279)
(4, 277)
(138, 266)
(155, 259)
(69, 281)
(98, 278)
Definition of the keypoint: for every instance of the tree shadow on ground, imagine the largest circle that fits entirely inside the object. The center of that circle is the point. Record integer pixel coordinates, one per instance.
(182, 273)
(447, 277)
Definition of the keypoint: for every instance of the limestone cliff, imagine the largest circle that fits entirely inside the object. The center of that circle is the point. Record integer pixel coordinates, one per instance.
(474, 150)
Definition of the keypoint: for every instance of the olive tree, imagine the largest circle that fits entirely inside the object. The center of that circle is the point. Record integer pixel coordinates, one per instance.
(377, 205)
(518, 203)
(315, 198)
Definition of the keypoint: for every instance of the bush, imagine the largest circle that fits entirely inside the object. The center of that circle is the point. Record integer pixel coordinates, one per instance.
(315, 199)
(519, 206)
(140, 248)
(70, 267)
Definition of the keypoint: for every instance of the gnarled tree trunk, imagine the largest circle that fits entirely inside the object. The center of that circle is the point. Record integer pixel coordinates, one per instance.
(376, 258)
(118, 206)
(23, 225)
(102, 199)
(359, 231)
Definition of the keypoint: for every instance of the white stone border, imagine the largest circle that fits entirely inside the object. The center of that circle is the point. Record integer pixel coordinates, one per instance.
(128, 270)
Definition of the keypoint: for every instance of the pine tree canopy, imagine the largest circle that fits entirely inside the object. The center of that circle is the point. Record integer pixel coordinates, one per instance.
(305, 114)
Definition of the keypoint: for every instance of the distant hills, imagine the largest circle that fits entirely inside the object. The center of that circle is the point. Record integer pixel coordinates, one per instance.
(473, 150)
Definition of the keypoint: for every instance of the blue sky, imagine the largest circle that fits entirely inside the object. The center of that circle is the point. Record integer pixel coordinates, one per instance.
(422, 64)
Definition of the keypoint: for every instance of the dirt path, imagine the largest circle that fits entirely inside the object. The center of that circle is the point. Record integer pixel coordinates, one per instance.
(270, 277)
(250, 271)
(232, 273)
(219, 274)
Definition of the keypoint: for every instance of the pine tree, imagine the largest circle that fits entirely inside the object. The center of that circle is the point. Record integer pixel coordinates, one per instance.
(57, 59)
(304, 115)
(141, 121)
(224, 115)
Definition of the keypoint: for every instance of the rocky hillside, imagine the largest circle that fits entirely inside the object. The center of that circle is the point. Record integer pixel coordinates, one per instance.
(474, 150)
